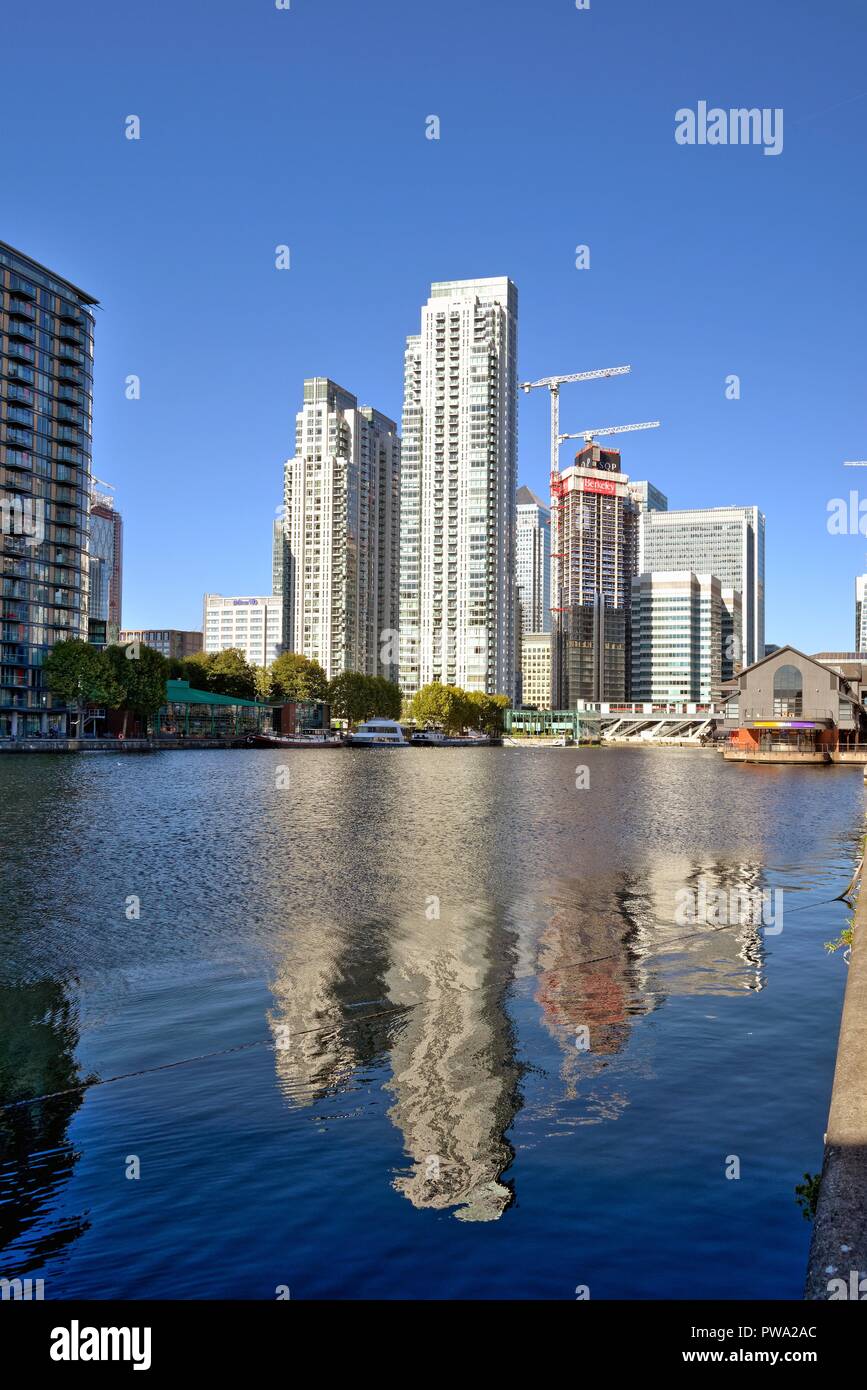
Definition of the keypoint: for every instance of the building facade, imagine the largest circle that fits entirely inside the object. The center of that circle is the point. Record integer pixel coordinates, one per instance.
(860, 614)
(251, 623)
(533, 561)
(596, 536)
(105, 570)
(458, 483)
(732, 633)
(726, 541)
(676, 637)
(279, 556)
(341, 520)
(648, 498)
(46, 398)
(536, 670)
(171, 642)
(793, 705)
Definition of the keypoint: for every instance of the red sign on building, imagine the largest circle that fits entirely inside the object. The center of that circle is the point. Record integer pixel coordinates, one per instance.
(599, 485)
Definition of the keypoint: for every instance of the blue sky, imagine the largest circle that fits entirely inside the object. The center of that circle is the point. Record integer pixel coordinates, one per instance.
(306, 127)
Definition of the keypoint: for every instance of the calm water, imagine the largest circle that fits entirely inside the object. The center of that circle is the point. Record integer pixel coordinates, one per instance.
(413, 1117)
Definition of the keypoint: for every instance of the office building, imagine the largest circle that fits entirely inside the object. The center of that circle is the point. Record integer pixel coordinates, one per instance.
(595, 559)
(458, 483)
(732, 633)
(169, 641)
(253, 624)
(533, 561)
(860, 614)
(726, 541)
(676, 637)
(647, 498)
(536, 670)
(46, 396)
(105, 570)
(341, 565)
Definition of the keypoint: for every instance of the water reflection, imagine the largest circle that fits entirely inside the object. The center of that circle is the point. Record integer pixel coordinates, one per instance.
(604, 951)
(454, 1073)
(37, 1043)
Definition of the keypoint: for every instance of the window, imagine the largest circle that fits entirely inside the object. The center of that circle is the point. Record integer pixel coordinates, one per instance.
(788, 692)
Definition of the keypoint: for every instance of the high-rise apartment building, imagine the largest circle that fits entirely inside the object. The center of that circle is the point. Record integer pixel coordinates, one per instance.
(592, 576)
(46, 396)
(105, 570)
(676, 637)
(860, 614)
(533, 561)
(279, 555)
(726, 541)
(458, 482)
(168, 641)
(341, 565)
(253, 624)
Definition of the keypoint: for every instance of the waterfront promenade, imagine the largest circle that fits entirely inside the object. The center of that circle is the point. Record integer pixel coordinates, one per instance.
(839, 1247)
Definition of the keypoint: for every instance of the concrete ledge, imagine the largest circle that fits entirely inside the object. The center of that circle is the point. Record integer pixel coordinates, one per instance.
(736, 755)
(839, 1244)
(108, 745)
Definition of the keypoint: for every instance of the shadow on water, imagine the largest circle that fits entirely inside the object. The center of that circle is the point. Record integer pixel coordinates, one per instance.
(37, 1045)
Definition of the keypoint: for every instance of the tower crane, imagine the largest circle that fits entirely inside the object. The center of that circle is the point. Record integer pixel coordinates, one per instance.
(589, 435)
(553, 384)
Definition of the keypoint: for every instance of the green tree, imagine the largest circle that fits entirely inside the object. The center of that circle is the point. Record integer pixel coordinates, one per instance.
(486, 711)
(264, 682)
(445, 705)
(386, 697)
(349, 695)
(230, 673)
(197, 669)
(81, 675)
(141, 677)
(297, 677)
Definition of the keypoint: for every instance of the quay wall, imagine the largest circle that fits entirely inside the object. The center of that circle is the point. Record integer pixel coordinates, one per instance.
(838, 1251)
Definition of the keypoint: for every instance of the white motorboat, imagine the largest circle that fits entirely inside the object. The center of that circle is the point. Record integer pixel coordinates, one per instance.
(379, 733)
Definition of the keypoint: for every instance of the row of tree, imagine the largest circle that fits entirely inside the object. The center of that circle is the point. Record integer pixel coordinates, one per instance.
(291, 677)
(133, 679)
(453, 709)
(124, 678)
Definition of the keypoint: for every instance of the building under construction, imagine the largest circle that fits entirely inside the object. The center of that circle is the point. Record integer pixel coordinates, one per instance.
(596, 556)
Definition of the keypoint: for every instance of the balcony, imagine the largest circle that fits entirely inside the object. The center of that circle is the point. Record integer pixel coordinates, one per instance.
(70, 312)
(22, 308)
(22, 330)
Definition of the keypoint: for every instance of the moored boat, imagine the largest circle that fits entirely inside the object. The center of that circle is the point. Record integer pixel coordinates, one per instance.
(287, 741)
(378, 733)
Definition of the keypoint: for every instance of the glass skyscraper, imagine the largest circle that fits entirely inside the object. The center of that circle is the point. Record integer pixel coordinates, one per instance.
(726, 541)
(46, 396)
(105, 571)
(533, 561)
(677, 643)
